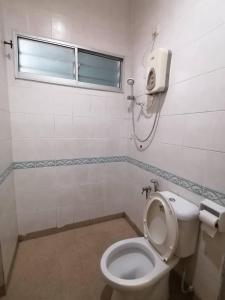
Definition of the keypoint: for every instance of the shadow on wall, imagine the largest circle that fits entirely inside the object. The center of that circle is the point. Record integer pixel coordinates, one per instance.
(222, 287)
(217, 258)
(2, 286)
(214, 254)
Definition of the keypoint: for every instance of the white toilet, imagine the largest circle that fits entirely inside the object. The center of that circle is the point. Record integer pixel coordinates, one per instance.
(138, 268)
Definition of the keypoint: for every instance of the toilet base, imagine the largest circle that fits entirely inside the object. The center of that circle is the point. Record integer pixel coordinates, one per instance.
(159, 291)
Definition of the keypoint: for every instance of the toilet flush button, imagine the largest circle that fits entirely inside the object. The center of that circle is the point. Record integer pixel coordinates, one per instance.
(172, 199)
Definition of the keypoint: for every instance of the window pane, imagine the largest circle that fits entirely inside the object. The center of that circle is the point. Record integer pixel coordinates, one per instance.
(99, 69)
(44, 58)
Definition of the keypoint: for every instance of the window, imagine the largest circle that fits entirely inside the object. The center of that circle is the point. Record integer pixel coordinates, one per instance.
(45, 59)
(99, 69)
(55, 62)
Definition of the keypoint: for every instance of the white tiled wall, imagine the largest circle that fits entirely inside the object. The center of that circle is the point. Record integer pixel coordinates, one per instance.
(56, 122)
(190, 137)
(59, 122)
(51, 197)
(87, 125)
(8, 220)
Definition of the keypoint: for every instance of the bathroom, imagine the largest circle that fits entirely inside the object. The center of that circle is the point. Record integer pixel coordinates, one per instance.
(84, 150)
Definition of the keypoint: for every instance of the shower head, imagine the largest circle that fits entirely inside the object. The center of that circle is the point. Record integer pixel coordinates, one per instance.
(130, 81)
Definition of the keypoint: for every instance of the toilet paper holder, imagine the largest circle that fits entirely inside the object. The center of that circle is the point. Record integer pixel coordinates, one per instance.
(216, 210)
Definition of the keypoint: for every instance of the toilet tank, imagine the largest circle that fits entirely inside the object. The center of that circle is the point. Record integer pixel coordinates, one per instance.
(188, 224)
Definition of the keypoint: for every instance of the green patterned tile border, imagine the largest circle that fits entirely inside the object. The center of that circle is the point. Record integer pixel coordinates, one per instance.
(5, 173)
(68, 162)
(180, 181)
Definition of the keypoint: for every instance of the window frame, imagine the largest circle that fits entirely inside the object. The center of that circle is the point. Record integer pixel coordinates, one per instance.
(62, 81)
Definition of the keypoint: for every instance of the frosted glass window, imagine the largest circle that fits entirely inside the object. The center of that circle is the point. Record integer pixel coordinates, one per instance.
(100, 69)
(43, 58)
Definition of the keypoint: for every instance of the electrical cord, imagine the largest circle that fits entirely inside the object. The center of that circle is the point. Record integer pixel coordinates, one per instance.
(140, 147)
(151, 48)
(147, 116)
(155, 122)
(151, 134)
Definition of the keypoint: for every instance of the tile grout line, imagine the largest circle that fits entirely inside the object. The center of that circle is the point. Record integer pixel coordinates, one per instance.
(187, 184)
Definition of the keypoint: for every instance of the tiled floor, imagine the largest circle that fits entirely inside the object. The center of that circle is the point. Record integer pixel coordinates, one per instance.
(65, 266)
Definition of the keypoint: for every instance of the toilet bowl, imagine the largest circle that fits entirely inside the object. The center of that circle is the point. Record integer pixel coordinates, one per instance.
(132, 266)
(138, 268)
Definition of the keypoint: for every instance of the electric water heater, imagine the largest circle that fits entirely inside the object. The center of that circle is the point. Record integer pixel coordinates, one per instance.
(158, 69)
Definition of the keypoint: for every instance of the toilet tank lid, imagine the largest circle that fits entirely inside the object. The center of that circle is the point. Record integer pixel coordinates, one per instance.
(184, 209)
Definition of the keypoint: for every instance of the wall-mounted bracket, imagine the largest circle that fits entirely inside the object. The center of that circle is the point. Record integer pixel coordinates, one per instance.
(132, 98)
(8, 43)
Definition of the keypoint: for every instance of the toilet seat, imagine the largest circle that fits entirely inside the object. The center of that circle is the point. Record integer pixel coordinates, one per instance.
(161, 226)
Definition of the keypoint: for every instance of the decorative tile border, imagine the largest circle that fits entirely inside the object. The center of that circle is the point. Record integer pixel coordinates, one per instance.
(180, 181)
(68, 162)
(6, 173)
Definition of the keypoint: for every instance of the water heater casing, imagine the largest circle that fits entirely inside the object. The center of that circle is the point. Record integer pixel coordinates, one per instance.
(158, 68)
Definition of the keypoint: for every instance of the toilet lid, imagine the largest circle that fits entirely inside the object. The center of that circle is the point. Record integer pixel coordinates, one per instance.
(161, 226)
